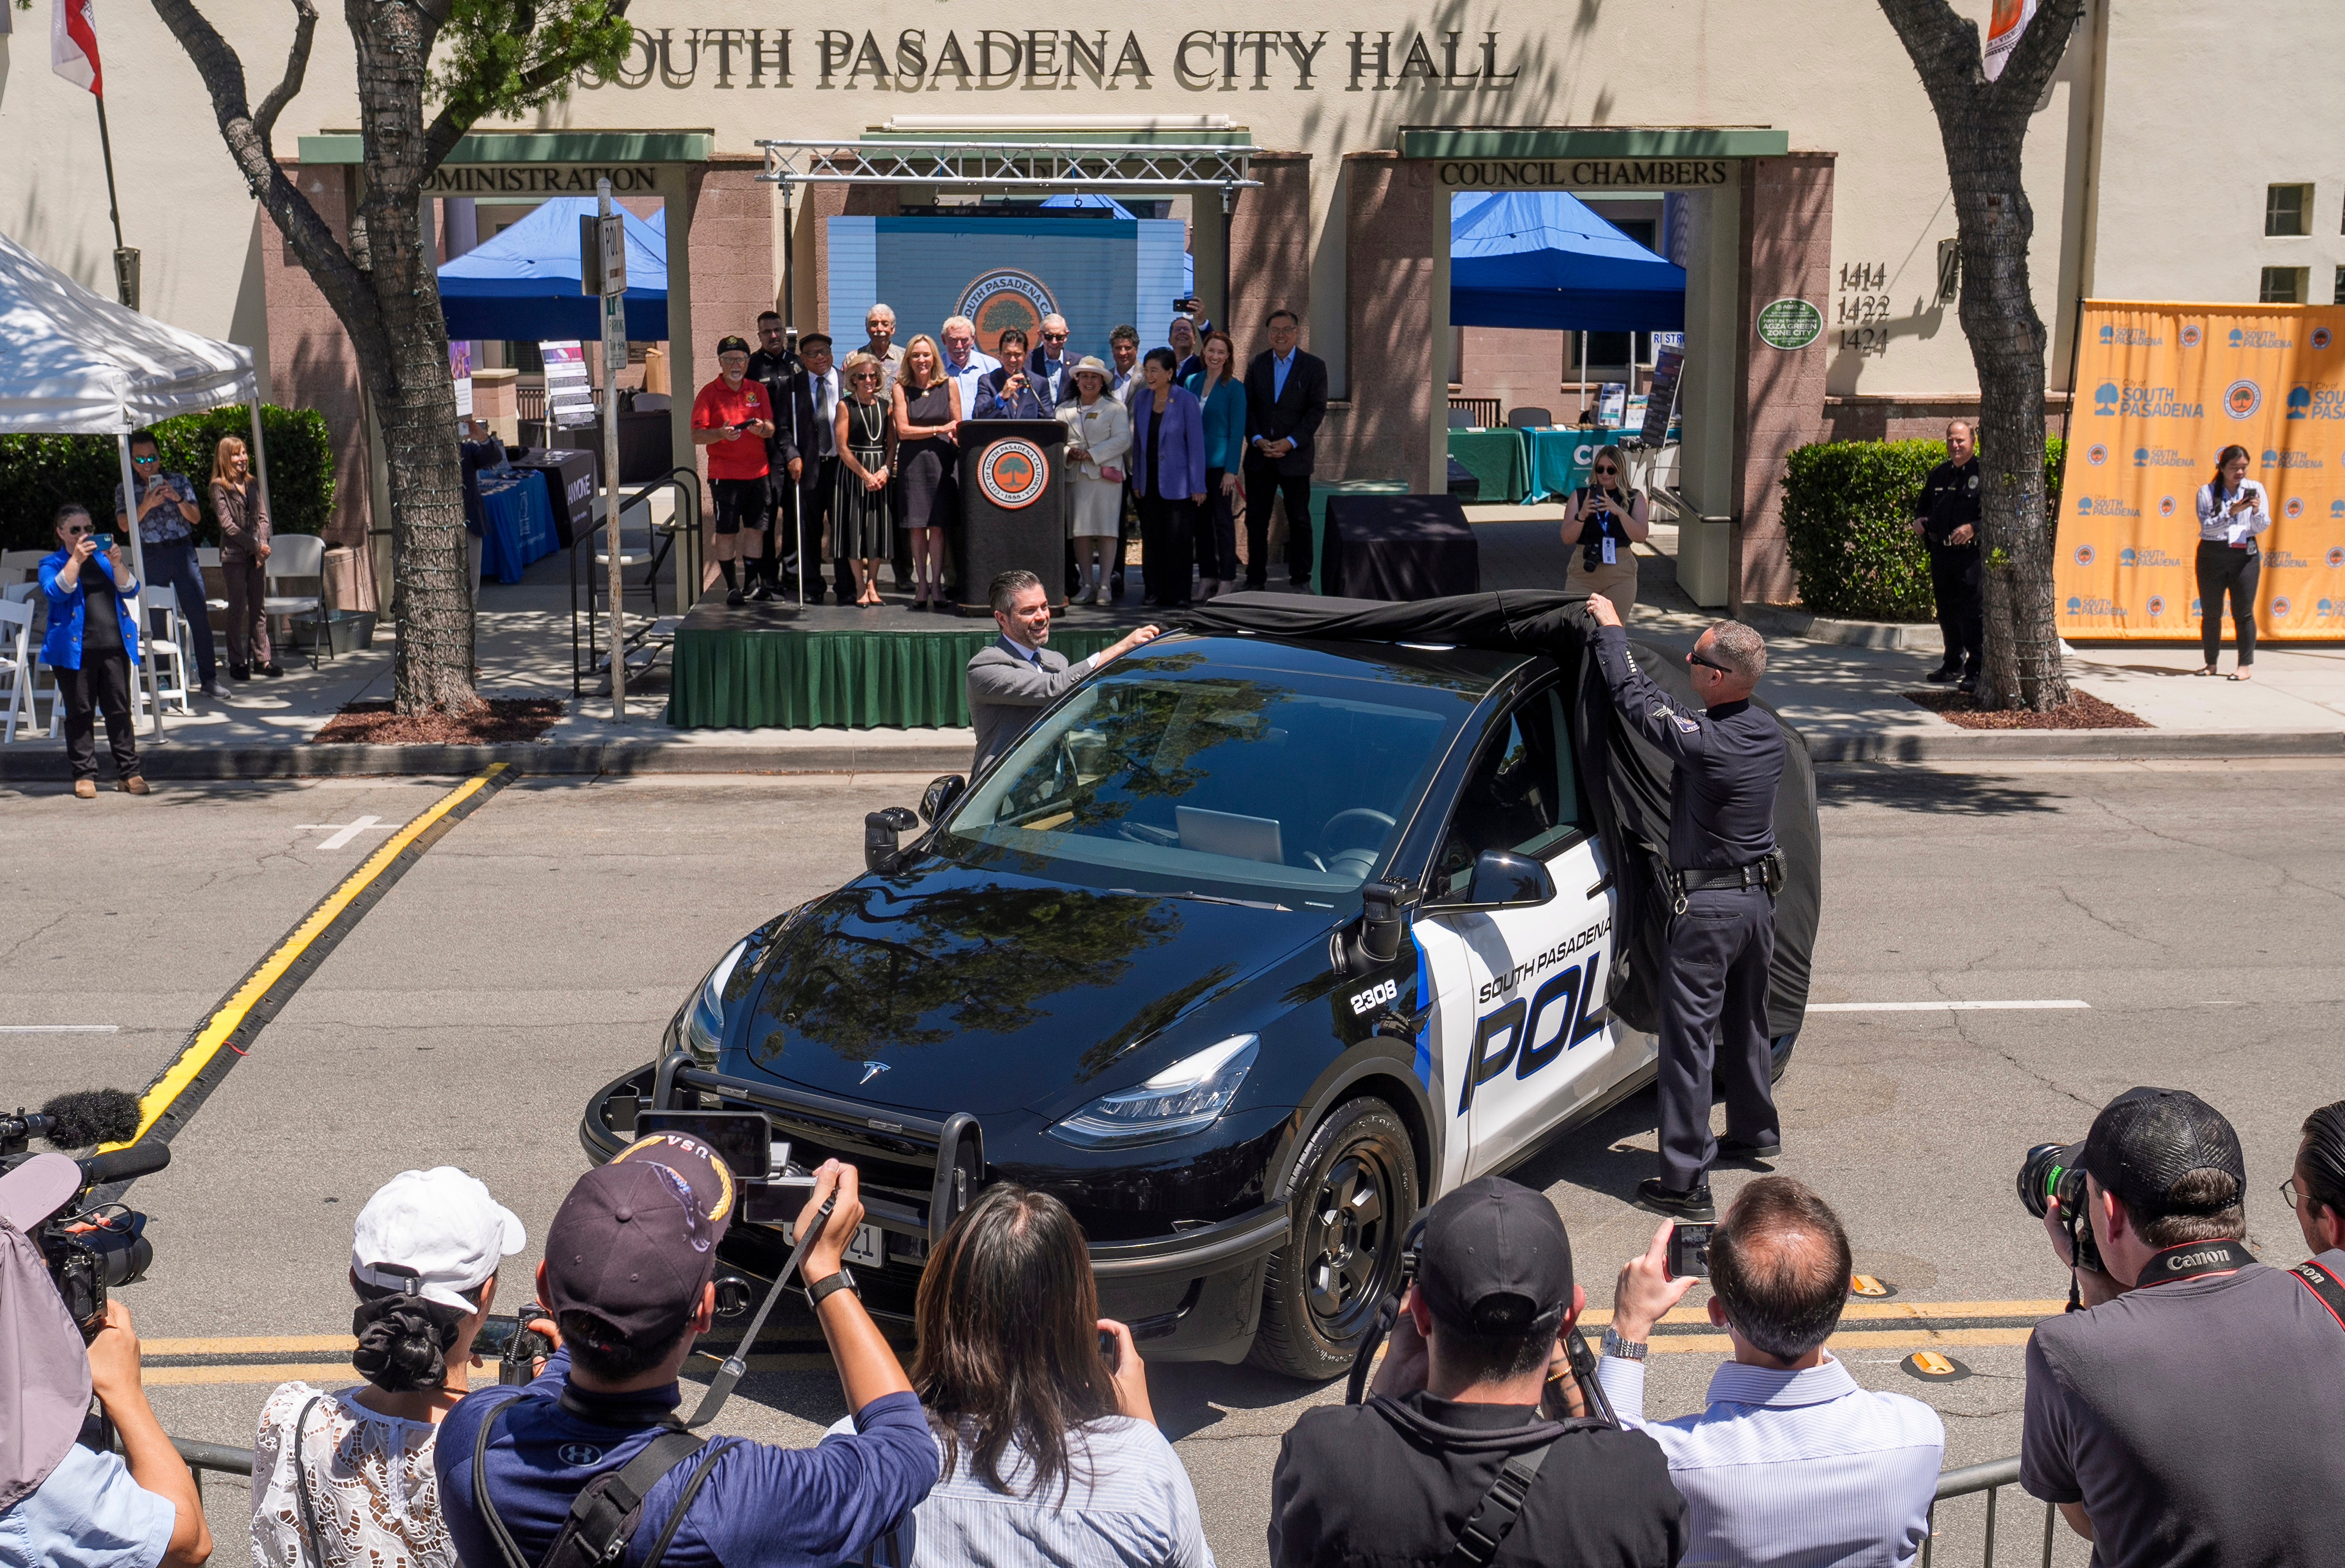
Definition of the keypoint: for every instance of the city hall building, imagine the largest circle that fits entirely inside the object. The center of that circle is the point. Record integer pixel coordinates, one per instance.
(1294, 154)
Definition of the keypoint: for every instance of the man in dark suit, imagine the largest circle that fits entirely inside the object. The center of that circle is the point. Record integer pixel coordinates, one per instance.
(1287, 397)
(807, 438)
(771, 367)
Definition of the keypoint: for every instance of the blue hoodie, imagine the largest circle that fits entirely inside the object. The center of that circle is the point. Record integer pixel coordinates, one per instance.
(61, 648)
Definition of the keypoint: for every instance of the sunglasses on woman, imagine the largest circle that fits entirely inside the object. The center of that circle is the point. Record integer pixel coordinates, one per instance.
(1606, 468)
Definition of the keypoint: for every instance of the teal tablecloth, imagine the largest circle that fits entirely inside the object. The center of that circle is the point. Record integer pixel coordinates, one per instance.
(1560, 457)
(1498, 458)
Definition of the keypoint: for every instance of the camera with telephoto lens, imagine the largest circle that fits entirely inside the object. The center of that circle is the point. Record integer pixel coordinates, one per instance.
(90, 1248)
(2053, 1171)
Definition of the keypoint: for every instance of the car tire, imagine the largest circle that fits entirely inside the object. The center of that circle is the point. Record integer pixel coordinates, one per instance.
(1354, 1196)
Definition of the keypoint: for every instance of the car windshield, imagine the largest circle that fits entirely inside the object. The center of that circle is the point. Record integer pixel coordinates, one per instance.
(1200, 770)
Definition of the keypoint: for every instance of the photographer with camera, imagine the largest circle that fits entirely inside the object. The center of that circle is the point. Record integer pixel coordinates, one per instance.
(64, 1505)
(590, 1456)
(2193, 1411)
(1791, 1461)
(1453, 1441)
(2315, 1189)
(348, 1477)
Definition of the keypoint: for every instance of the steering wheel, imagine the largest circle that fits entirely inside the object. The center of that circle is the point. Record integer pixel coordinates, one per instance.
(1353, 857)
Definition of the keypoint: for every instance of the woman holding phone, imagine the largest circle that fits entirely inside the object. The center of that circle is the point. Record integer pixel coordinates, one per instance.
(1606, 517)
(2232, 511)
(92, 647)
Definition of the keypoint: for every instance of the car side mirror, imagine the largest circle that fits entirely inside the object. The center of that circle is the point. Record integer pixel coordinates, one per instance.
(1381, 924)
(880, 829)
(940, 796)
(1503, 881)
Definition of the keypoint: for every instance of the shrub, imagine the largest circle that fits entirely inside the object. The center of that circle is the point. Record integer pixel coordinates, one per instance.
(39, 473)
(1846, 506)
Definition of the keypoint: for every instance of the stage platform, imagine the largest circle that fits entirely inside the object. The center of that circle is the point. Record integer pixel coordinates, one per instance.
(776, 665)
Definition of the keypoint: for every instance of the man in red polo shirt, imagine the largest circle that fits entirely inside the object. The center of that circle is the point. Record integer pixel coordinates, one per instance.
(732, 418)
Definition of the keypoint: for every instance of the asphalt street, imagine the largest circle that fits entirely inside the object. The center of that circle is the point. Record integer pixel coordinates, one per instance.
(537, 950)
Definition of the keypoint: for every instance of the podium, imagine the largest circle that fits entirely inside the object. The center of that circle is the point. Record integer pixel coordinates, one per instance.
(1013, 509)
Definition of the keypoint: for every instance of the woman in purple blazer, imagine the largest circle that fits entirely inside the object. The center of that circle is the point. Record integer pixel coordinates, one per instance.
(1168, 477)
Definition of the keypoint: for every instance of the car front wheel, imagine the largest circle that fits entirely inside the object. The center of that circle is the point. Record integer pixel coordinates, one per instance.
(1354, 1198)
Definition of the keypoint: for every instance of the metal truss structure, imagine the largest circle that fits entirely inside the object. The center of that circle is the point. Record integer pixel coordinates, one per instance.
(1054, 166)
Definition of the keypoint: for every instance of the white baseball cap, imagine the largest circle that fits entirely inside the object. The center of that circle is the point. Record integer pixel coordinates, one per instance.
(442, 1225)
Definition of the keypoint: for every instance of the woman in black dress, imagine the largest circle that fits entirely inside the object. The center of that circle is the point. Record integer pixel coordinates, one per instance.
(927, 424)
(859, 518)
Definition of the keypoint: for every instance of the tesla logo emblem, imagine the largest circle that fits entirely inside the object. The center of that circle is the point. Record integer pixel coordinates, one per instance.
(872, 1069)
(579, 1453)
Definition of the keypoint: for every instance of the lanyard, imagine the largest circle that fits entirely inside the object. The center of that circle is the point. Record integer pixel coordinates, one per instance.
(2194, 1259)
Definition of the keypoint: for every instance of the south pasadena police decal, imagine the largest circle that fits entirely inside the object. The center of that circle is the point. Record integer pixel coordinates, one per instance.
(1014, 474)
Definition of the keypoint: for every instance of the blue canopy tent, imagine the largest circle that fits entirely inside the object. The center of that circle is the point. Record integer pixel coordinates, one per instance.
(1542, 259)
(523, 283)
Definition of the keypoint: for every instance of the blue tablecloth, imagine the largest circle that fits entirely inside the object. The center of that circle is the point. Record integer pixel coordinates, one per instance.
(520, 526)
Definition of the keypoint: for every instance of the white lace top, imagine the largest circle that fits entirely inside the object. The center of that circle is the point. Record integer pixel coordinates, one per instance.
(370, 1486)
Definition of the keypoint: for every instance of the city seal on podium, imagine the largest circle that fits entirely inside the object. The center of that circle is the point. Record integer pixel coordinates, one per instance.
(1013, 473)
(1005, 298)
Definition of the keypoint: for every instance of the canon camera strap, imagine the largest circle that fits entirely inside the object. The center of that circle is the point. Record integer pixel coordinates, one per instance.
(2324, 1286)
(2193, 1258)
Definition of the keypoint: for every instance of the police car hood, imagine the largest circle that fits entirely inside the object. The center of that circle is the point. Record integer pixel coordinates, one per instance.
(946, 988)
(1627, 778)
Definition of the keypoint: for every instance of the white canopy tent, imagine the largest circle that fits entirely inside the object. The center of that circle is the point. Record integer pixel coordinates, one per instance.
(74, 362)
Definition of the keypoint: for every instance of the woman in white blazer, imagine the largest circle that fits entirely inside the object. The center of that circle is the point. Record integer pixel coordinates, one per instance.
(1099, 435)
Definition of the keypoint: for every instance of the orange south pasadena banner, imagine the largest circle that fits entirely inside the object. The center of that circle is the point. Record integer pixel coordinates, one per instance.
(2160, 391)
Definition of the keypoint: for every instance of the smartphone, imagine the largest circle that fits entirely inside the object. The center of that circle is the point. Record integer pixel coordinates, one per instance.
(1108, 1351)
(744, 1138)
(101, 543)
(1690, 1251)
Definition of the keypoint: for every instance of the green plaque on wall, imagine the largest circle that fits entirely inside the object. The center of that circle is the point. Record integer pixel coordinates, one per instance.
(1790, 324)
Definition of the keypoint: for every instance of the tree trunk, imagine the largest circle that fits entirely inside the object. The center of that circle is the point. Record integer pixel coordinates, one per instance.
(1983, 127)
(414, 397)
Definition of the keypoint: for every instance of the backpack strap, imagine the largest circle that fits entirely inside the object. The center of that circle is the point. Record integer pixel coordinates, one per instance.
(482, 1506)
(2325, 1286)
(1487, 1527)
(684, 1501)
(599, 1514)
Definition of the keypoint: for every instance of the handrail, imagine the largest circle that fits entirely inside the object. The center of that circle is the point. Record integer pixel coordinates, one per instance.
(687, 481)
(1970, 1481)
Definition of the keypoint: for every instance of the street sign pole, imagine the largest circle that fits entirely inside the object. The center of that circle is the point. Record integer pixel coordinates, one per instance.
(613, 279)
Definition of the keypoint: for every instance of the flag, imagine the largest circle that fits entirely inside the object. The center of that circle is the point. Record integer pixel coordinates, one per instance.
(2003, 28)
(73, 43)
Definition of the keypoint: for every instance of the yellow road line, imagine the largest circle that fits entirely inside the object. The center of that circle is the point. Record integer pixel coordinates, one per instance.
(1873, 1311)
(251, 1345)
(232, 1013)
(340, 1375)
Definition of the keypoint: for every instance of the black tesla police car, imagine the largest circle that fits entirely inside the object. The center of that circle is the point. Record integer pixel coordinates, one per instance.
(1255, 944)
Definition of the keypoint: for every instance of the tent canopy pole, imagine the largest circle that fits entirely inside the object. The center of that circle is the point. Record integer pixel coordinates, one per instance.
(139, 570)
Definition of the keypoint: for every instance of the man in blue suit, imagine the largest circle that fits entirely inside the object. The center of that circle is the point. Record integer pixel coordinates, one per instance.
(1287, 397)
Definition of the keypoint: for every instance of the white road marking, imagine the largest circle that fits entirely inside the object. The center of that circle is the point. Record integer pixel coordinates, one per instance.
(60, 1028)
(1942, 1006)
(344, 833)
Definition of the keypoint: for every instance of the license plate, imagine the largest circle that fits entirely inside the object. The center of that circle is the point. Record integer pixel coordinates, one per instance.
(867, 1250)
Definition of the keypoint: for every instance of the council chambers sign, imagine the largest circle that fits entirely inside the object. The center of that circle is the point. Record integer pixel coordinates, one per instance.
(1198, 59)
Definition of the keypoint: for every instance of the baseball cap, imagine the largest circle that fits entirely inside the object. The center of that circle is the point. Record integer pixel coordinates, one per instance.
(636, 1240)
(440, 1227)
(733, 345)
(1495, 1259)
(2145, 1140)
(34, 1190)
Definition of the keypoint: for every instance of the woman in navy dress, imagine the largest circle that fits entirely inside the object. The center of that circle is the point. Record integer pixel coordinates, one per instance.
(927, 418)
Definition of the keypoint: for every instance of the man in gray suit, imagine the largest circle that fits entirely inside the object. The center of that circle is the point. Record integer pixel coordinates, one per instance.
(1014, 677)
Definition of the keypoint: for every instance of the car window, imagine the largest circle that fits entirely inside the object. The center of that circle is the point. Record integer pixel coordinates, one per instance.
(1522, 796)
(1254, 778)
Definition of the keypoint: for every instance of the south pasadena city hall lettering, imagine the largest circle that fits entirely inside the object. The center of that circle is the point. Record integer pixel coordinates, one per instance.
(1201, 59)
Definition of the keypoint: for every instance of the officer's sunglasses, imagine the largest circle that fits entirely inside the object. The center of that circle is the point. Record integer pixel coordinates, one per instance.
(1693, 657)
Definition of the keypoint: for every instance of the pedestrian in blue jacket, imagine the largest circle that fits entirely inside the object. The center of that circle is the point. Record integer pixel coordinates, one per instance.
(91, 645)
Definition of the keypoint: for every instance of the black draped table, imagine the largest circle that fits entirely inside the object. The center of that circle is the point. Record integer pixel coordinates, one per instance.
(1398, 547)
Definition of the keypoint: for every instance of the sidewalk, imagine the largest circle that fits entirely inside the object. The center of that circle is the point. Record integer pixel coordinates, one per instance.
(1842, 683)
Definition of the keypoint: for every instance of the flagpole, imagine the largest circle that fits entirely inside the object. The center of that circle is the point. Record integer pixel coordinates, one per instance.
(105, 146)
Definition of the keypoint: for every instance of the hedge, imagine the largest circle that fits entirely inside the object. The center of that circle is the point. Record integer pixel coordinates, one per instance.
(1846, 506)
(39, 473)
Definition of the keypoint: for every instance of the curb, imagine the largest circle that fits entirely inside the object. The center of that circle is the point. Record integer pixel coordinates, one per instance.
(535, 759)
(1958, 745)
(1896, 636)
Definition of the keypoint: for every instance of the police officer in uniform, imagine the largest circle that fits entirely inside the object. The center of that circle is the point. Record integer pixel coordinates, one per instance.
(1725, 870)
(1947, 516)
(772, 366)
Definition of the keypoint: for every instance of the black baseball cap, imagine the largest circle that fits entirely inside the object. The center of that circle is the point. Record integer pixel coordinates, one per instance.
(636, 1240)
(2146, 1140)
(1495, 1259)
(732, 345)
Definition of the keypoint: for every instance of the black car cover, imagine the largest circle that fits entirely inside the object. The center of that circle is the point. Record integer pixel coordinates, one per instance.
(1627, 778)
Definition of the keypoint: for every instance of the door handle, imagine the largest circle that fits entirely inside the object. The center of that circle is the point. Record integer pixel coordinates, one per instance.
(1602, 883)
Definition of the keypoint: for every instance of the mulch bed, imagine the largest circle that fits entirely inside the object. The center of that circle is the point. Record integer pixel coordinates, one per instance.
(2082, 711)
(501, 720)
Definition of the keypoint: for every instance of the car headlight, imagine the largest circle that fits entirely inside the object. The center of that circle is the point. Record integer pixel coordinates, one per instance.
(1185, 1098)
(704, 1026)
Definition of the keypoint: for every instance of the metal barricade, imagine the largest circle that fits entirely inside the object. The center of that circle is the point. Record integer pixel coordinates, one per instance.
(1990, 1478)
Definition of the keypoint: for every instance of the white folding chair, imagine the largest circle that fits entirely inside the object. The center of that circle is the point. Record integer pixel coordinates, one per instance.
(299, 555)
(16, 655)
(17, 566)
(165, 650)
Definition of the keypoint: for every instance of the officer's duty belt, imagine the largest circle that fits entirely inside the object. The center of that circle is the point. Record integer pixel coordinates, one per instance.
(1767, 872)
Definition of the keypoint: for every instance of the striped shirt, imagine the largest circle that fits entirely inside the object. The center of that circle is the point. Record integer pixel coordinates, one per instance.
(1128, 1505)
(1794, 1470)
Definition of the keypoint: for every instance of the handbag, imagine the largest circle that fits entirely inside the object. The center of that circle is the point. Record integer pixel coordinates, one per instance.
(1110, 473)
